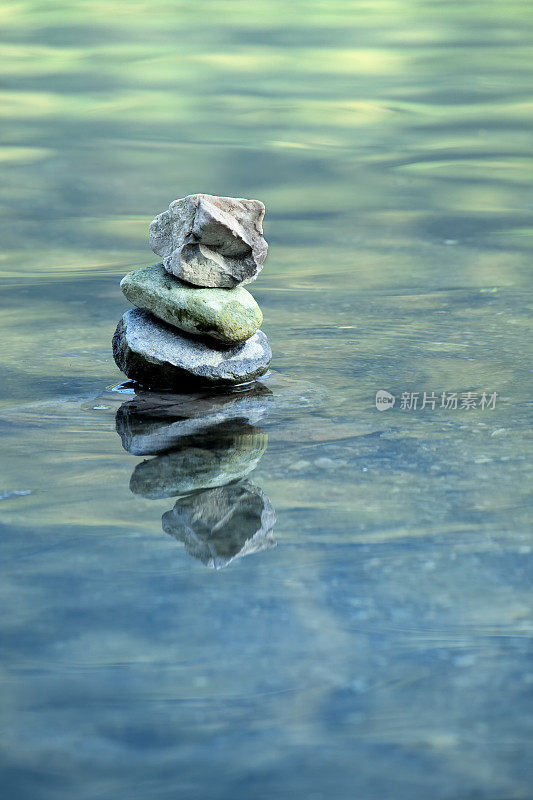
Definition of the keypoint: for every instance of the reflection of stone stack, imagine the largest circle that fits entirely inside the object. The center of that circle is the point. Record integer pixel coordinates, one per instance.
(204, 447)
(195, 324)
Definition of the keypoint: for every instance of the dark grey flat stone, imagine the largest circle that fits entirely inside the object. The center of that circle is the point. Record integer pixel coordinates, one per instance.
(158, 356)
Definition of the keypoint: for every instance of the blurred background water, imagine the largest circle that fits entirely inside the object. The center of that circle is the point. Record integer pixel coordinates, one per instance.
(383, 648)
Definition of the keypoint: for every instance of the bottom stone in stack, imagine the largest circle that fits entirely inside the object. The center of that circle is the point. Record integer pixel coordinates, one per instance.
(159, 356)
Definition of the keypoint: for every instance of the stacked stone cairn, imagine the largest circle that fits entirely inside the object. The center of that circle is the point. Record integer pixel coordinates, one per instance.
(194, 323)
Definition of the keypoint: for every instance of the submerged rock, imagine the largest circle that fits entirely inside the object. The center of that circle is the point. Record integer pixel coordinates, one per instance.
(158, 356)
(211, 241)
(219, 525)
(155, 422)
(228, 315)
(218, 457)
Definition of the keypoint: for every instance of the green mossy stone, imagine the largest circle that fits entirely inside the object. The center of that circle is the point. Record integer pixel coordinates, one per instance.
(227, 315)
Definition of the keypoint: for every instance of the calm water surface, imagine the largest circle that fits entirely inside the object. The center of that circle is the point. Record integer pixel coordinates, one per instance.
(286, 593)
